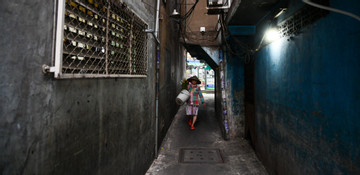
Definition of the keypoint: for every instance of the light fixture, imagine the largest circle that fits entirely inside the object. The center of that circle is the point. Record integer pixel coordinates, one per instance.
(272, 34)
(175, 14)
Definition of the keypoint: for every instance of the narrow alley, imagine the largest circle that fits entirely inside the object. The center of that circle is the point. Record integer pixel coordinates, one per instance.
(101, 87)
(237, 156)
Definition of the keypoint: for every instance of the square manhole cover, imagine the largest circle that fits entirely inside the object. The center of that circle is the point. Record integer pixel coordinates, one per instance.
(200, 155)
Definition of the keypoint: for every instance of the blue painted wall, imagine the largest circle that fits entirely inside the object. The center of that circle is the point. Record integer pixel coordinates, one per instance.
(308, 97)
(234, 78)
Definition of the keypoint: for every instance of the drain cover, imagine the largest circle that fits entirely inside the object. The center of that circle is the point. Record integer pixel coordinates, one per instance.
(200, 155)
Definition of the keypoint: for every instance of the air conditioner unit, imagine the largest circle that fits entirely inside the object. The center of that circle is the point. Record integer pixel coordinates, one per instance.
(215, 3)
(217, 6)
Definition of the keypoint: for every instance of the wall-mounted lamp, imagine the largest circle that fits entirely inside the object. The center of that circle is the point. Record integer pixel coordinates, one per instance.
(272, 34)
(175, 14)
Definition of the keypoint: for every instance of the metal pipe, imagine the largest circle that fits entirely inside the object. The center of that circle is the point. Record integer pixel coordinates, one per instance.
(157, 77)
(59, 39)
(54, 34)
(157, 18)
(107, 42)
(153, 34)
(71, 76)
(157, 101)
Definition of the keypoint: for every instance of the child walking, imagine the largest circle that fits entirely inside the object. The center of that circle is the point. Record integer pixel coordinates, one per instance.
(192, 107)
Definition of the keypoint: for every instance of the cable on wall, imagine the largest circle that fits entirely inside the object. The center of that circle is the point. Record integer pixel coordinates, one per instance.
(188, 13)
(246, 51)
(331, 9)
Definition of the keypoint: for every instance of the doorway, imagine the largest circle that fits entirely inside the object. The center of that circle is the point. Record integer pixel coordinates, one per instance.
(250, 102)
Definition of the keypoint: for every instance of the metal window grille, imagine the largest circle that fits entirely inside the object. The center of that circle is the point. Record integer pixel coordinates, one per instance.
(302, 18)
(99, 38)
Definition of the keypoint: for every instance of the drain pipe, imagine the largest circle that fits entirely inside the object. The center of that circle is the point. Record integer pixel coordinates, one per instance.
(157, 77)
(157, 19)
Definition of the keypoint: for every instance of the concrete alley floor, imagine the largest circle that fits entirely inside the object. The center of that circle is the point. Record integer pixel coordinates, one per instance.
(239, 158)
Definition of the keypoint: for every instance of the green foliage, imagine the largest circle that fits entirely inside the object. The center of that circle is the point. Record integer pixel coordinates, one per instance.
(184, 84)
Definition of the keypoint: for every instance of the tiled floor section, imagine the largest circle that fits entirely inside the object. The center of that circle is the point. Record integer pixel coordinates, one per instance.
(238, 156)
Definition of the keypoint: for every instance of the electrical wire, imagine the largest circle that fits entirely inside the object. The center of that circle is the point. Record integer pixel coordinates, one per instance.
(182, 33)
(187, 19)
(332, 9)
(188, 13)
(223, 29)
(246, 51)
(226, 30)
(187, 28)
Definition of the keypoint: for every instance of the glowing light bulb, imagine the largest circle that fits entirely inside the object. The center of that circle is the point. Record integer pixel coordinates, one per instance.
(272, 35)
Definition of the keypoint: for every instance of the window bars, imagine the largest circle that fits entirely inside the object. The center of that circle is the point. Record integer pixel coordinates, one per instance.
(99, 38)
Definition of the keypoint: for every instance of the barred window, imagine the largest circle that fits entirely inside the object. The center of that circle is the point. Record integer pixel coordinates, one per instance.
(99, 38)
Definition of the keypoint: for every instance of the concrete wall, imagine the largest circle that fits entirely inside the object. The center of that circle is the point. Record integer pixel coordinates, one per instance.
(199, 18)
(220, 97)
(172, 68)
(307, 97)
(74, 126)
(234, 78)
(218, 100)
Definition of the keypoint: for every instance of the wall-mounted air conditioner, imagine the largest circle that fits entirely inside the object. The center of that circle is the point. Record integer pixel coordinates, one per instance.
(217, 6)
(215, 3)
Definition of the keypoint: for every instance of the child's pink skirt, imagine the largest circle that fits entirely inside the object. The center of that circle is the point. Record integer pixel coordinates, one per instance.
(192, 110)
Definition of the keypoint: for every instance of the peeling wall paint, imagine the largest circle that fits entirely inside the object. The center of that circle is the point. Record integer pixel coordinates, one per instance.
(221, 100)
(234, 76)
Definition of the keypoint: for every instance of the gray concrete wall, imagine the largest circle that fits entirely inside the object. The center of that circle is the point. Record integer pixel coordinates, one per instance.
(74, 126)
(172, 68)
(197, 19)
